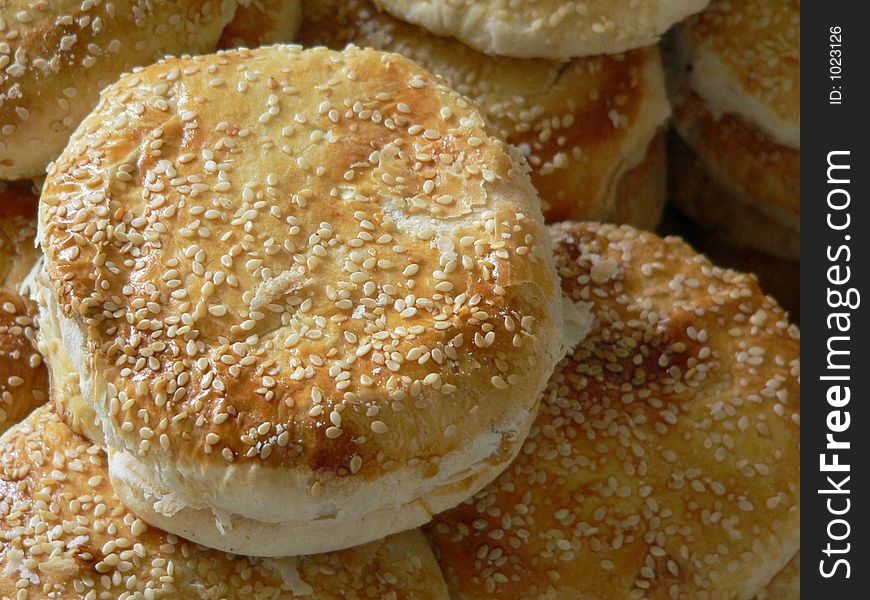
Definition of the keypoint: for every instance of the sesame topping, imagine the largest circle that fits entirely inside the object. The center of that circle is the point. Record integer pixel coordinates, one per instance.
(56, 57)
(65, 534)
(575, 122)
(758, 42)
(664, 456)
(313, 314)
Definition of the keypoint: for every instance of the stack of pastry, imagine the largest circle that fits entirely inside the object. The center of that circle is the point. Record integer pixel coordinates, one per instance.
(736, 158)
(306, 334)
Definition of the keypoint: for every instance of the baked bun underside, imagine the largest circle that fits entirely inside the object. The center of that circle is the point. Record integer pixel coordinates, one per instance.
(56, 481)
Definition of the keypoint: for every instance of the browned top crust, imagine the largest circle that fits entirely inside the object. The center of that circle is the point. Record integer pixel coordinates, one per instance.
(23, 377)
(555, 29)
(56, 56)
(581, 124)
(311, 260)
(746, 60)
(262, 22)
(64, 535)
(664, 462)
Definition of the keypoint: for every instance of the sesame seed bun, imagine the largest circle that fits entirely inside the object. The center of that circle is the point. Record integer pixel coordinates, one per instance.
(23, 378)
(55, 57)
(664, 462)
(308, 294)
(555, 29)
(744, 59)
(787, 583)
(262, 22)
(587, 126)
(67, 536)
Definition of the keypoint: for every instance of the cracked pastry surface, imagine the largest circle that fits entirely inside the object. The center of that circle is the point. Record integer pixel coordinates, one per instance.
(306, 317)
(588, 126)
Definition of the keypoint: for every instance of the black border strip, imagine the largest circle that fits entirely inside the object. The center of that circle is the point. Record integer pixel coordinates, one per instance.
(834, 275)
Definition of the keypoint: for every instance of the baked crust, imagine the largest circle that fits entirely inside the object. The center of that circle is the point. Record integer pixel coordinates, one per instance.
(555, 29)
(744, 59)
(18, 252)
(642, 191)
(55, 481)
(740, 157)
(55, 57)
(664, 462)
(737, 106)
(23, 378)
(787, 583)
(585, 125)
(727, 212)
(300, 288)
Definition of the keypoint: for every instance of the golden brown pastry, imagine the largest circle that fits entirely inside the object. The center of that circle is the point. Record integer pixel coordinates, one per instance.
(64, 535)
(18, 252)
(738, 109)
(745, 60)
(23, 378)
(309, 299)
(55, 57)
(588, 127)
(555, 29)
(664, 462)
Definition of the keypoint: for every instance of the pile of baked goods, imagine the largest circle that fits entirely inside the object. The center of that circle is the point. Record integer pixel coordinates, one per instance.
(735, 161)
(361, 299)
